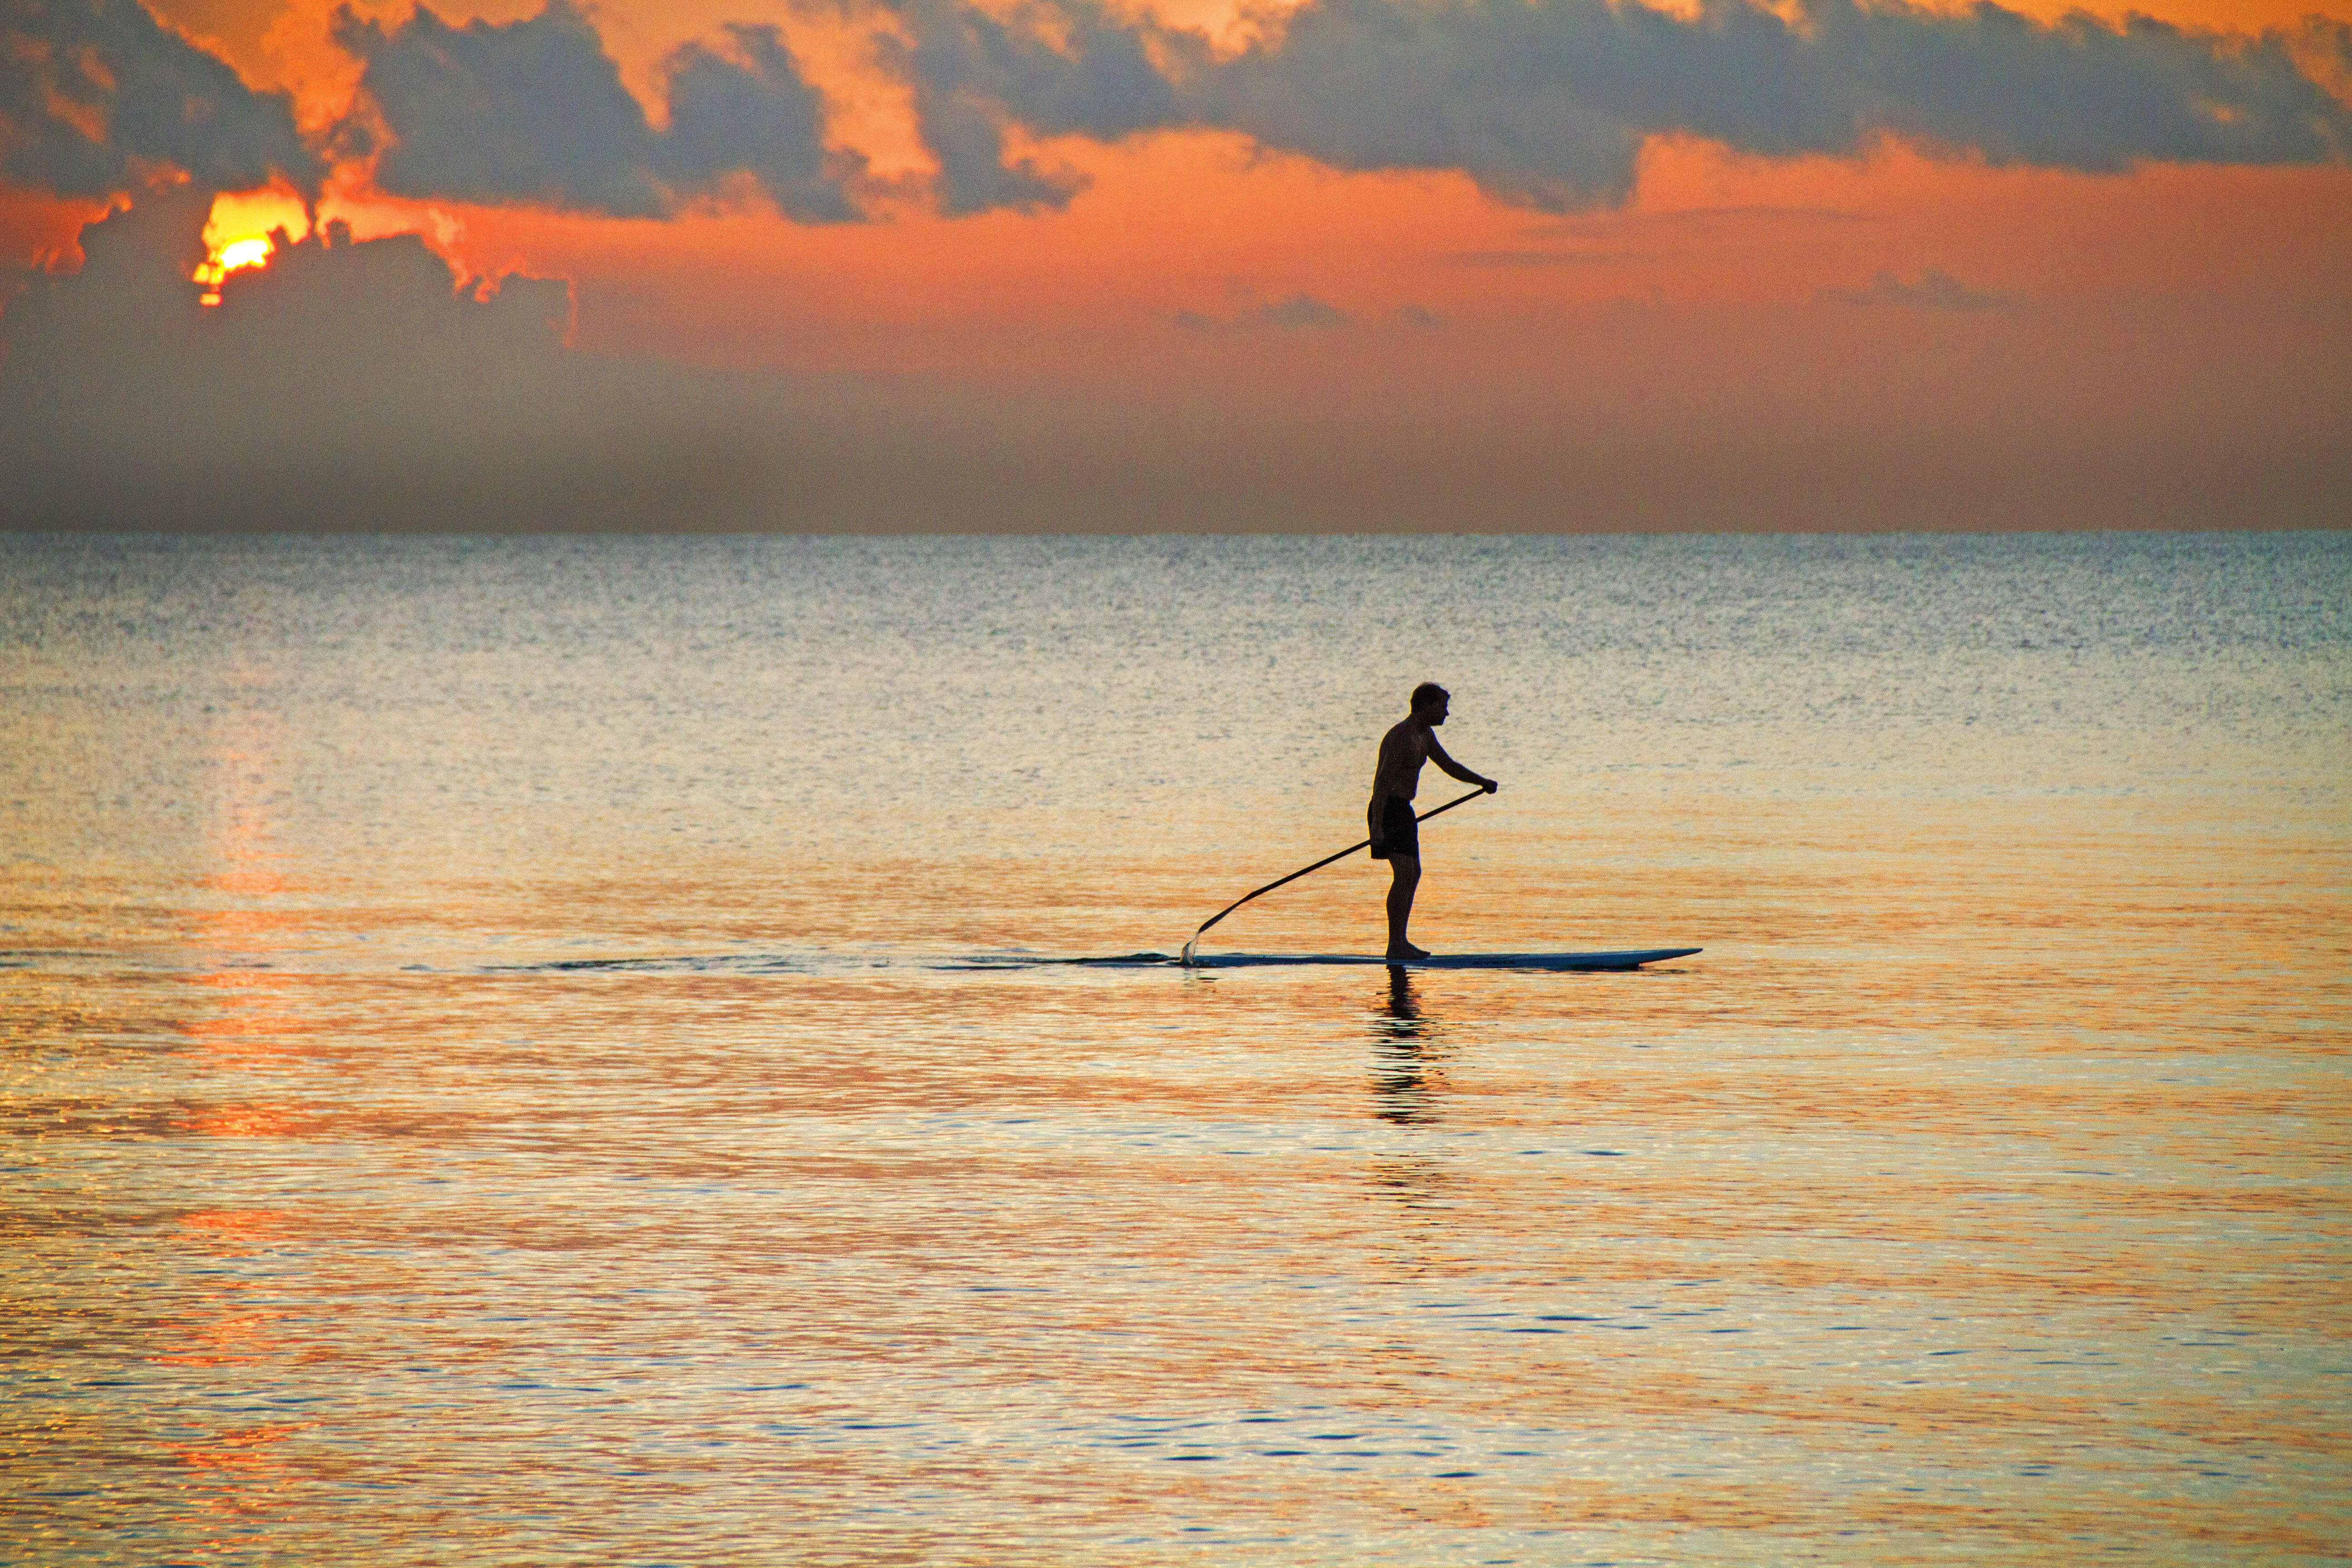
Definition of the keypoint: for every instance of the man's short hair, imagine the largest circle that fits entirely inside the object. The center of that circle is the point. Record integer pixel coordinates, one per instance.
(1427, 692)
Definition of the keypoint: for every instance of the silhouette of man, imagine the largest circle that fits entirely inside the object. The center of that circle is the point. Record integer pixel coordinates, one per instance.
(1396, 837)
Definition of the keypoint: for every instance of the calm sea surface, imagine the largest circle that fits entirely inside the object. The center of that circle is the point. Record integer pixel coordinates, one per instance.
(495, 1069)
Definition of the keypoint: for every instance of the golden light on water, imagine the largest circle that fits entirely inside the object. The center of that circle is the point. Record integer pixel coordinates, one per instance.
(389, 1164)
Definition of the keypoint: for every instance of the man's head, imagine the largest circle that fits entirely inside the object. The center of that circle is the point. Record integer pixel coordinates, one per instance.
(1428, 702)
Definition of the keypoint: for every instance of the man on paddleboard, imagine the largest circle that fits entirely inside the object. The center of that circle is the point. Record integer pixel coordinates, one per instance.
(1396, 836)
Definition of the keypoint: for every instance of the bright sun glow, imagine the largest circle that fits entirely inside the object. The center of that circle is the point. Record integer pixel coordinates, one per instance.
(253, 250)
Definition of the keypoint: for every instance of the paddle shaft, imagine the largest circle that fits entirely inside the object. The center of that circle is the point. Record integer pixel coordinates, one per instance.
(1319, 865)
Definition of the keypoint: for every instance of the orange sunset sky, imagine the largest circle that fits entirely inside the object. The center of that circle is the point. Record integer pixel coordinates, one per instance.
(1384, 264)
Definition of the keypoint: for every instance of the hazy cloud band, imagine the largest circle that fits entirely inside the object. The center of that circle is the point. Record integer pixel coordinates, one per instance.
(534, 112)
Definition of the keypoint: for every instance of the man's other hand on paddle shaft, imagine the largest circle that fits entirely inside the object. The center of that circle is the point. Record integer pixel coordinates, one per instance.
(1396, 779)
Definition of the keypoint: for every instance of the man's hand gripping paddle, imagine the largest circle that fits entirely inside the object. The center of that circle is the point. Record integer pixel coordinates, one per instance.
(1319, 865)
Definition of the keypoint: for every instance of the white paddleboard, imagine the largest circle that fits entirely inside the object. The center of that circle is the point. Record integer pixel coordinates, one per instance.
(1556, 963)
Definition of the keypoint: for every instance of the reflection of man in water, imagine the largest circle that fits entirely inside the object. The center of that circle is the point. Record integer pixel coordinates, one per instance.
(1396, 837)
(1399, 1070)
(1404, 1005)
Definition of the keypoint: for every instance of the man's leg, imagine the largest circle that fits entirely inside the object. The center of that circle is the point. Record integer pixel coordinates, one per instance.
(1407, 871)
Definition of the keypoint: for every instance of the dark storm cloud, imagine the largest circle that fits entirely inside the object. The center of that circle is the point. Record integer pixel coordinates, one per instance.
(750, 111)
(1543, 102)
(1060, 69)
(1547, 102)
(523, 111)
(534, 112)
(2078, 93)
(95, 96)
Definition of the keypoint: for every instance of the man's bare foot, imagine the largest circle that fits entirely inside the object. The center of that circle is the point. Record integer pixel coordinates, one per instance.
(1403, 950)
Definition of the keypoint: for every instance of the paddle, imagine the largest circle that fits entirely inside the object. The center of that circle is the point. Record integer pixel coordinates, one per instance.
(1319, 865)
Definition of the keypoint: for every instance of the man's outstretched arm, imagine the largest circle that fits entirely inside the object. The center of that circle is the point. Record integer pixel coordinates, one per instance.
(1437, 754)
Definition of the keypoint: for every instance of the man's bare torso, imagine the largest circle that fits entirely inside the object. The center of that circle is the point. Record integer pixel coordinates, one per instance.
(1403, 750)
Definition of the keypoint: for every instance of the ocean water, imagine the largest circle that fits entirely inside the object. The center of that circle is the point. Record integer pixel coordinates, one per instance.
(538, 1051)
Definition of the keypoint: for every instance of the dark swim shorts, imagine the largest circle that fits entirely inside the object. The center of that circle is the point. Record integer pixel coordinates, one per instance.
(1401, 833)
